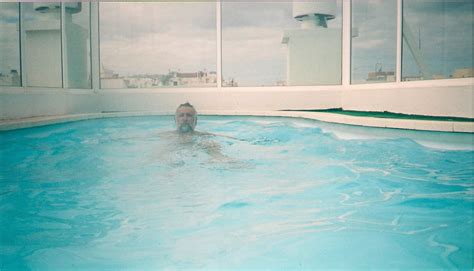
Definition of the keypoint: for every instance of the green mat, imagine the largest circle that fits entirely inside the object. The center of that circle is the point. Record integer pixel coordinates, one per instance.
(385, 114)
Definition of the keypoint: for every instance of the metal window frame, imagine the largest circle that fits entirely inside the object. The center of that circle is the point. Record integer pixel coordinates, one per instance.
(94, 14)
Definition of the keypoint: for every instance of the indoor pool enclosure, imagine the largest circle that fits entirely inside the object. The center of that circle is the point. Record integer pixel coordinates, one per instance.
(237, 135)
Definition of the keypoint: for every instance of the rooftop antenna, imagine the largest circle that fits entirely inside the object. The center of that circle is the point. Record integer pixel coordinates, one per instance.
(419, 37)
(378, 67)
(415, 51)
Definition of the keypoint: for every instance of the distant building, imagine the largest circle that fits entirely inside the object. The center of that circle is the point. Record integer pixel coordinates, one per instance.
(381, 76)
(4, 80)
(12, 79)
(458, 73)
(229, 83)
(15, 77)
(412, 78)
(199, 78)
(140, 82)
(281, 83)
(463, 73)
(109, 79)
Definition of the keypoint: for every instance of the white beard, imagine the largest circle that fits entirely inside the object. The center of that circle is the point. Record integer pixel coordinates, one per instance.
(185, 128)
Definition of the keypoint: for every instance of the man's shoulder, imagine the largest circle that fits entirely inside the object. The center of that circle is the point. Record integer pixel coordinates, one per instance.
(194, 133)
(175, 133)
(199, 133)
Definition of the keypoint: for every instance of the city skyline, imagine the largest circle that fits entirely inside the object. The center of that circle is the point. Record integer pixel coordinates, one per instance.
(153, 38)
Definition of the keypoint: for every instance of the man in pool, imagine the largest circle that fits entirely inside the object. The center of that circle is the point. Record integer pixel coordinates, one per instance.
(186, 121)
(185, 118)
(185, 142)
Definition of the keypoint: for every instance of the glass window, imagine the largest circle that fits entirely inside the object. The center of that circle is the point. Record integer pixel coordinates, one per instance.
(10, 73)
(281, 43)
(374, 41)
(78, 52)
(437, 39)
(160, 44)
(42, 28)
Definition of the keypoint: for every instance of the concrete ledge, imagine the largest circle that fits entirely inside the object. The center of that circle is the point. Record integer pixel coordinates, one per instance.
(6, 125)
(422, 125)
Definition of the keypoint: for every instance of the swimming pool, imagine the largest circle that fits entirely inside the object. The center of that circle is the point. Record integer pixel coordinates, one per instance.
(273, 193)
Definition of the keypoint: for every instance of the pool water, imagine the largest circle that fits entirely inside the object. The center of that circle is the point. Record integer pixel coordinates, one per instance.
(263, 193)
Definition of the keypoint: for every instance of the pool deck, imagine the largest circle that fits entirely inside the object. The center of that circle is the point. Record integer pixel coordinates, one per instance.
(410, 124)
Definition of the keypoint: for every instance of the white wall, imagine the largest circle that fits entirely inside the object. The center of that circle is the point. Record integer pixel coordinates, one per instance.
(20, 104)
(452, 98)
(219, 99)
(434, 98)
(43, 50)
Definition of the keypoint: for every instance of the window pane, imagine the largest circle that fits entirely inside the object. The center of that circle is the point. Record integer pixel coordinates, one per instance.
(43, 44)
(9, 45)
(78, 55)
(158, 44)
(374, 41)
(437, 39)
(281, 43)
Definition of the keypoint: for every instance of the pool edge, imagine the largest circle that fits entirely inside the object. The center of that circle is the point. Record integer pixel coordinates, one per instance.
(422, 125)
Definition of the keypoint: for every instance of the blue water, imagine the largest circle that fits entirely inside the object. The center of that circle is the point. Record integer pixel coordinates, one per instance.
(265, 193)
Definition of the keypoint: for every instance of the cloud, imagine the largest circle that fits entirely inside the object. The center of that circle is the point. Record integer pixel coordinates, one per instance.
(8, 12)
(430, 8)
(442, 25)
(9, 33)
(257, 14)
(136, 19)
(173, 37)
(373, 15)
(254, 55)
(375, 45)
(445, 31)
(9, 37)
(156, 37)
(452, 12)
(157, 53)
(252, 52)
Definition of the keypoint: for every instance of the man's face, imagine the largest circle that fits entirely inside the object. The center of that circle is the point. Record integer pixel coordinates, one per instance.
(185, 119)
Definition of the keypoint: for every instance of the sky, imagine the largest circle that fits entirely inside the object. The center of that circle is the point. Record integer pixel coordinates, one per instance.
(154, 38)
(252, 52)
(446, 29)
(375, 45)
(157, 37)
(9, 38)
